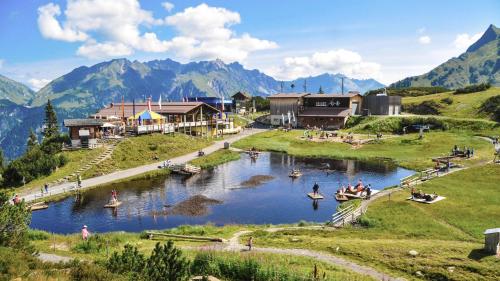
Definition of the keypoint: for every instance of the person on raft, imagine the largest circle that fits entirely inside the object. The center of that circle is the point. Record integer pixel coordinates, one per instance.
(114, 196)
(315, 188)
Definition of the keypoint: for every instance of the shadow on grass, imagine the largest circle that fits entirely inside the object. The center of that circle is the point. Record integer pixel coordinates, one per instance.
(478, 254)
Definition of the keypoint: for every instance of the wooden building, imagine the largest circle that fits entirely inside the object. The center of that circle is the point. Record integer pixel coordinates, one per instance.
(492, 241)
(84, 132)
(240, 100)
(329, 111)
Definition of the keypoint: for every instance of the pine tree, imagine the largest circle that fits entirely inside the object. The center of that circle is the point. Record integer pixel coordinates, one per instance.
(32, 140)
(51, 125)
(166, 263)
(320, 91)
(1, 160)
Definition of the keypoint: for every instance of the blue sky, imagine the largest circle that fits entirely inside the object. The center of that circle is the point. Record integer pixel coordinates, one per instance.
(386, 40)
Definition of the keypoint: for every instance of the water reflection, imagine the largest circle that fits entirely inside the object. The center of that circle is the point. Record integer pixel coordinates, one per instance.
(147, 204)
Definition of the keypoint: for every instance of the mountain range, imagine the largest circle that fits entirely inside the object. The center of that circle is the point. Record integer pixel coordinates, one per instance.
(86, 89)
(480, 63)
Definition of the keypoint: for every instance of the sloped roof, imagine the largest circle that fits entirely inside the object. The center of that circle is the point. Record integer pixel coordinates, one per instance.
(83, 122)
(325, 112)
(288, 95)
(348, 95)
(245, 95)
(166, 108)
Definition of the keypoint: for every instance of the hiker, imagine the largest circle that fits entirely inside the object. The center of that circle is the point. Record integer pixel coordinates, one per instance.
(85, 233)
(250, 243)
(46, 186)
(315, 188)
(16, 200)
(79, 180)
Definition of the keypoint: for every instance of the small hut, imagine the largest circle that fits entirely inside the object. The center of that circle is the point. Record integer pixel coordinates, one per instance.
(492, 241)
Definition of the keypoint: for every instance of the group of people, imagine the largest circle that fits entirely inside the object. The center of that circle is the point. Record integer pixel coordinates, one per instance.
(358, 189)
(467, 152)
(421, 195)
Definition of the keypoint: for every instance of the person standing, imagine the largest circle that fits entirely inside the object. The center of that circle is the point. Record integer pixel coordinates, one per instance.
(85, 233)
(79, 180)
(315, 188)
(46, 186)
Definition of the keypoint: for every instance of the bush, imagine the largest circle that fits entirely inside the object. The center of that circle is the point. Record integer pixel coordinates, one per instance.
(90, 272)
(409, 91)
(492, 107)
(34, 235)
(130, 260)
(447, 100)
(366, 221)
(472, 89)
(95, 244)
(428, 107)
(166, 263)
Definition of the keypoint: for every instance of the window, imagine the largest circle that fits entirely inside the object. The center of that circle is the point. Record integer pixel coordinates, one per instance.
(321, 103)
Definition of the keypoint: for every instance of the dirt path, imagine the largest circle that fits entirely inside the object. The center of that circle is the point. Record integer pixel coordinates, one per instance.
(34, 194)
(233, 244)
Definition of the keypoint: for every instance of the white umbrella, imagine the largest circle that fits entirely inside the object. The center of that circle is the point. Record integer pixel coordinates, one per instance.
(108, 125)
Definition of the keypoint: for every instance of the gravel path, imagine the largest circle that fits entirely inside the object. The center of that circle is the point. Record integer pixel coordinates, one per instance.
(86, 183)
(46, 257)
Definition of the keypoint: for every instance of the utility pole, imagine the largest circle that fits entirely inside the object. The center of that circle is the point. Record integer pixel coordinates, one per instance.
(342, 85)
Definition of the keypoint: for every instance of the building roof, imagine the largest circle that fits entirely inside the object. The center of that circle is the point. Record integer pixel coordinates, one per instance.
(492, 230)
(166, 108)
(348, 95)
(83, 122)
(288, 95)
(245, 95)
(325, 112)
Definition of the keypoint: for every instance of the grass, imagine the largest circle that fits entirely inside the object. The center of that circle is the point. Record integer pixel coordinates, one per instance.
(447, 235)
(76, 158)
(463, 106)
(213, 159)
(141, 150)
(407, 151)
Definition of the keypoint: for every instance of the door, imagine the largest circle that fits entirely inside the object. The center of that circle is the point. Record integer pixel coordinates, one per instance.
(354, 108)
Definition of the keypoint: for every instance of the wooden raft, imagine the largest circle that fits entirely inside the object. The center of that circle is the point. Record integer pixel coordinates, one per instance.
(315, 196)
(113, 205)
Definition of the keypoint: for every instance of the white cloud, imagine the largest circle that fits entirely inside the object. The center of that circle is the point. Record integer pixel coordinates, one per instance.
(335, 61)
(112, 28)
(424, 40)
(50, 27)
(168, 6)
(1, 63)
(37, 84)
(464, 40)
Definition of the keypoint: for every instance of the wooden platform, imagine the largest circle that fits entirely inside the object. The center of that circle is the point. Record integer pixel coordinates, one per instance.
(114, 205)
(315, 196)
(38, 206)
(341, 197)
(295, 175)
(439, 198)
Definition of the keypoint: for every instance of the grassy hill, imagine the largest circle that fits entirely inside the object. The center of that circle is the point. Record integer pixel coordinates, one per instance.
(461, 106)
(477, 65)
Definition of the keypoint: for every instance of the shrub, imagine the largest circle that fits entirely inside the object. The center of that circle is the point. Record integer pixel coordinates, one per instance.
(400, 90)
(90, 272)
(473, 88)
(14, 223)
(447, 100)
(94, 244)
(428, 107)
(34, 235)
(492, 107)
(166, 263)
(366, 221)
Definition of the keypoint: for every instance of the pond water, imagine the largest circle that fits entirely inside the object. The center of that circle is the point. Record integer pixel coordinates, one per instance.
(276, 201)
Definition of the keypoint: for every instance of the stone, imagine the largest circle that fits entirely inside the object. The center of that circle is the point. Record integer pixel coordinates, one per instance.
(451, 268)
(419, 274)
(413, 253)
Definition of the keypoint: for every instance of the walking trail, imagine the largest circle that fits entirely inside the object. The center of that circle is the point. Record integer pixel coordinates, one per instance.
(86, 183)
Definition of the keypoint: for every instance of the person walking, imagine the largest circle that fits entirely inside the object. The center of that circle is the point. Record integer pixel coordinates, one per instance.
(250, 243)
(85, 233)
(46, 186)
(79, 180)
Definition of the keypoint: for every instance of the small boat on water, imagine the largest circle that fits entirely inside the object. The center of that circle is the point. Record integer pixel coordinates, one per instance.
(295, 173)
(341, 197)
(113, 204)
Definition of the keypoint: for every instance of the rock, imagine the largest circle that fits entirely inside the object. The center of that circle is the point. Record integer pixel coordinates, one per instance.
(419, 274)
(451, 268)
(413, 253)
(295, 239)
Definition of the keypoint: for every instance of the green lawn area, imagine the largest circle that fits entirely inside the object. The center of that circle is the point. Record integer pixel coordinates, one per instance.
(463, 106)
(219, 157)
(407, 151)
(136, 151)
(448, 235)
(76, 159)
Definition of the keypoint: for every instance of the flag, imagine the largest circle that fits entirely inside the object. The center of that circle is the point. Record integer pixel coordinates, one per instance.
(133, 107)
(222, 105)
(159, 101)
(283, 118)
(293, 117)
(149, 103)
(289, 117)
(123, 108)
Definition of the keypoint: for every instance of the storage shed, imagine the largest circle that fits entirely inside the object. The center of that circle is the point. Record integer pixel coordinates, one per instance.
(492, 241)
